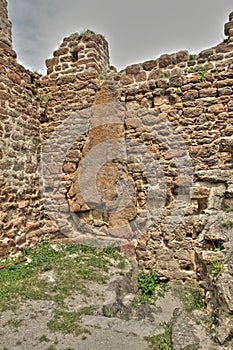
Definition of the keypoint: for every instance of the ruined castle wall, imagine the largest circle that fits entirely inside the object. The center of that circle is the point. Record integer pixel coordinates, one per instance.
(193, 93)
(72, 77)
(71, 84)
(5, 24)
(19, 153)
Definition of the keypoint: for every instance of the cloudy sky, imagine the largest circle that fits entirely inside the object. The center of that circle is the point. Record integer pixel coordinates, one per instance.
(136, 30)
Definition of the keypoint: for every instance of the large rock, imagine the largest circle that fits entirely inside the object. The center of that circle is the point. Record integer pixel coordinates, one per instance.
(188, 332)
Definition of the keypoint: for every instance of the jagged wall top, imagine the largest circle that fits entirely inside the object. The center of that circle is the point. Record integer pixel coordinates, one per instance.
(85, 53)
(5, 24)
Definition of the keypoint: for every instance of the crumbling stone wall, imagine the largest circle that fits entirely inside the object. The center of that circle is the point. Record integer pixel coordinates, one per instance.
(193, 92)
(188, 94)
(5, 24)
(19, 153)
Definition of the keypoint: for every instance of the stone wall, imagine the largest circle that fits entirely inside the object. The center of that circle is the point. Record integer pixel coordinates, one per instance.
(5, 24)
(19, 154)
(72, 77)
(169, 119)
(193, 93)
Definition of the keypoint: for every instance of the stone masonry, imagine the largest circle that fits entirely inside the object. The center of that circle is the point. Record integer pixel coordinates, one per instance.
(5, 24)
(177, 109)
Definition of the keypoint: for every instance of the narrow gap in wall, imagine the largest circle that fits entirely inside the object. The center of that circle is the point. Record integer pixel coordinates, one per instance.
(75, 55)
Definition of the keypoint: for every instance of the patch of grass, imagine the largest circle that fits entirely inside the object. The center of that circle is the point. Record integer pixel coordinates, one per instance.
(227, 224)
(122, 264)
(228, 209)
(106, 312)
(111, 253)
(68, 322)
(193, 298)
(71, 265)
(162, 341)
(149, 287)
(43, 338)
(51, 347)
(15, 323)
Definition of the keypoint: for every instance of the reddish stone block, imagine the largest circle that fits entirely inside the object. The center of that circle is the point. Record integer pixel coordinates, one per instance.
(61, 52)
(164, 61)
(128, 249)
(127, 80)
(217, 108)
(14, 77)
(149, 65)
(134, 69)
(228, 26)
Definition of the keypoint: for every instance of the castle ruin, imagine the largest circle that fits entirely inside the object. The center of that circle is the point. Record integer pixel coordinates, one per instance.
(176, 109)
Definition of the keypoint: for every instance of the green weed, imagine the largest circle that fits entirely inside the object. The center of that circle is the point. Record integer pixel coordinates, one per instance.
(15, 323)
(68, 322)
(178, 92)
(217, 270)
(149, 287)
(161, 341)
(51, 347)
(107, 312)
(192, 57)
(79, 36)
(193, 298)
(217, 246)
(104, 76)
(201, 73)
(228, 209)
(227, 224)
(43, 338)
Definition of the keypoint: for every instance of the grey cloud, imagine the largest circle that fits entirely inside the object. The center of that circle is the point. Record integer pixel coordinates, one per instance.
(136, 30)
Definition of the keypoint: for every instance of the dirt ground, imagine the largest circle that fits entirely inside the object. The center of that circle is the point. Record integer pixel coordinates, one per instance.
(112, 324)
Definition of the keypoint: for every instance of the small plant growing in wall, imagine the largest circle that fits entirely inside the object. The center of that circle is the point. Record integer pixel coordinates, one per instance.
(191, 70)
(44, 99)
(228, 209)
(192, 57)
(216, 246)
(84, 34)
(217, 269)
(201, 73)
(104, 76)
(227, 224)
(178, 92)
(216, 75)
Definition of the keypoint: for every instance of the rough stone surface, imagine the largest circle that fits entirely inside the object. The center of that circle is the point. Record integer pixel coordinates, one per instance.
(5, 24)
(188, 334)
(193, 94)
